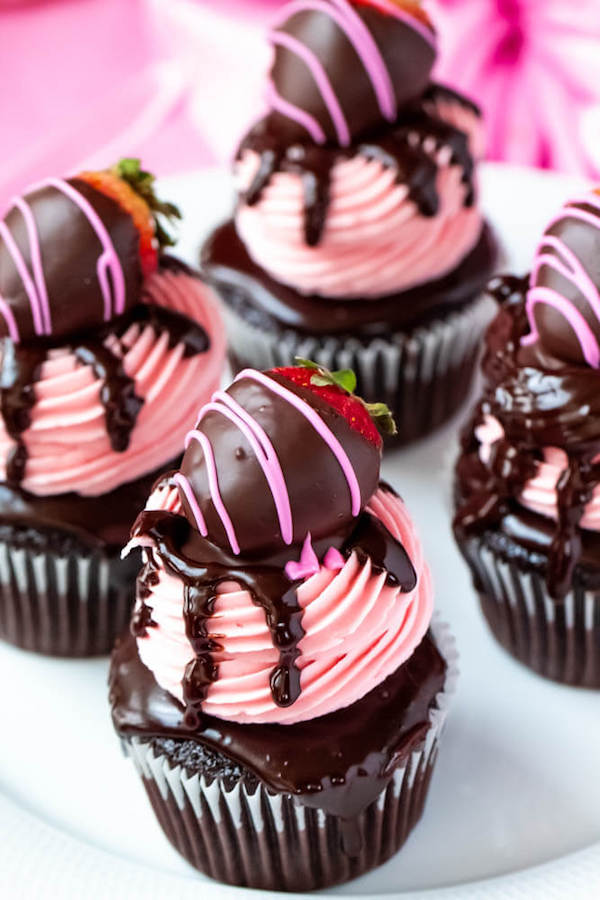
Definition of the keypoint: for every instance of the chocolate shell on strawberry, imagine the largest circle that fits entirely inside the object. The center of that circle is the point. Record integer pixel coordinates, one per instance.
(357, 238)
(107, 347)
(284, 603)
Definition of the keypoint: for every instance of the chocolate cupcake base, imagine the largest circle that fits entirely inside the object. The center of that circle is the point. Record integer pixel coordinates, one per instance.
(59, 597)
(557, 639)
(231, 826)
(249, 837)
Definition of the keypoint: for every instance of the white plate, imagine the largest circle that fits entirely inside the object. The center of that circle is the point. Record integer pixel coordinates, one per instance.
(514, 809)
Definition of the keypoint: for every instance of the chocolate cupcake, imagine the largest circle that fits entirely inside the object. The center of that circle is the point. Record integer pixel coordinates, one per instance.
(357, 239)
(282, 692)
(528, 479)
(108, 347)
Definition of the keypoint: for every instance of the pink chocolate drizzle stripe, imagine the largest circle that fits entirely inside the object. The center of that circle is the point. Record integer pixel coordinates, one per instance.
(267, 457)
(362, 41)
(213, 482)
(108, 262)
(321, 78)
(36, 260)
(186, 487)
(573, 271)
(584, 333)
(25, 277)
(295, 113)
(566, 264)
(318, 424)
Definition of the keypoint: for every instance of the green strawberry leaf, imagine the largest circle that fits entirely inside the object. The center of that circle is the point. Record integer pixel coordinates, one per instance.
(345, 379)
(383, 418)
(130, 170)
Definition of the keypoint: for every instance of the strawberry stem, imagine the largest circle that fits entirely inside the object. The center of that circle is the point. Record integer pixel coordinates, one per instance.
(130, 170)
(345, 380)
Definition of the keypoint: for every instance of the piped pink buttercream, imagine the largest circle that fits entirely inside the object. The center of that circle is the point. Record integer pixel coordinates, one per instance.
(375, 240)
(358, 630)
(67, 442)
(539, 494)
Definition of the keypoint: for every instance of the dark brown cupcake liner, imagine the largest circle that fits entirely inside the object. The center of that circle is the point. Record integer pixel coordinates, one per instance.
(60, 598)
(424, 376)
(557, 639)
(246, 835)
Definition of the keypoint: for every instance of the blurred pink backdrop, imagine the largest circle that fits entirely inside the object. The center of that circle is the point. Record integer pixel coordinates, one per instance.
(176, 81)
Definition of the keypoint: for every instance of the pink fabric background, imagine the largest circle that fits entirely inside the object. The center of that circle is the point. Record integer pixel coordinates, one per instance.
(84, 81)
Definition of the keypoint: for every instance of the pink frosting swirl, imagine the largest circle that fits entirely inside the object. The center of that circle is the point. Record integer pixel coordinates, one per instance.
(358, 630)
(375, 240)
(539, 494)
(67, 442)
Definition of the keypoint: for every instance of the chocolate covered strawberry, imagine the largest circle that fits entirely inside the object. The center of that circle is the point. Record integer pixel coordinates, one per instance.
(244, 481)
(73, 253)
(342, 68)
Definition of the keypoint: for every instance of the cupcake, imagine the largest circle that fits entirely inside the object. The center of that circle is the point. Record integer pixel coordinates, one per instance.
(357, 239)
(108, 347)
(528, 479)
(282, 690)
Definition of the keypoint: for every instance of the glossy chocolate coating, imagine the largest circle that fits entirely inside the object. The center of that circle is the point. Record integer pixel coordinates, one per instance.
(538, 404)
(70, 250)
(555, 335)
(407, 56)
(319, 494)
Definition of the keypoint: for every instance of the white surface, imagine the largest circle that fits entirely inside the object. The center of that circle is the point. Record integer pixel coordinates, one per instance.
(517, 781)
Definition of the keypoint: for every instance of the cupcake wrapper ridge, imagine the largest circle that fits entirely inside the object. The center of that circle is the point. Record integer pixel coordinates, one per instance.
(559, 640)
(71, 605)
(250, 836)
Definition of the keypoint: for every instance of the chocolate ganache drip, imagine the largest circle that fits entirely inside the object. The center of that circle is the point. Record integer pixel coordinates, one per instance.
(399, 148)
(253, 505)
(539, 401)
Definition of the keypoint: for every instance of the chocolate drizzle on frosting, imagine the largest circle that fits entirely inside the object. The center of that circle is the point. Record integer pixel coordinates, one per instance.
(21, 363)
(539, 402)
(202, 566)
(117, 394)
(20, 369)
(399, 147)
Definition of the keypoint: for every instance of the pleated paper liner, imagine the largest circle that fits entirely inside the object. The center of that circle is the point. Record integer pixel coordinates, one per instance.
(59, 597)
(243, 834)
(557, 639)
